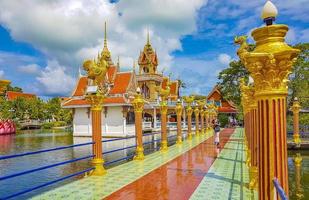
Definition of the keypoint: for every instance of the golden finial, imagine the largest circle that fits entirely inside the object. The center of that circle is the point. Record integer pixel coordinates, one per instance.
(118, 64)
(133, 66)
(105, 35)
(148, 39)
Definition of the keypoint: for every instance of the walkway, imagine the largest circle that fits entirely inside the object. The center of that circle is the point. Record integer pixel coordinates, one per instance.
(191, 170)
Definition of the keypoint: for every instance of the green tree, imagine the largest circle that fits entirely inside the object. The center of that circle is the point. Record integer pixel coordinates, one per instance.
(299, 79)
(14, 89)
(229, 81)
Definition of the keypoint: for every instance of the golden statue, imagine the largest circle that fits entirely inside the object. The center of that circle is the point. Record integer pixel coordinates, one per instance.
(164, 93)
(96, 72)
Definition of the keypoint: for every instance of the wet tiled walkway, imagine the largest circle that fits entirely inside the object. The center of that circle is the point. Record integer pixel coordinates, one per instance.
(191, 170)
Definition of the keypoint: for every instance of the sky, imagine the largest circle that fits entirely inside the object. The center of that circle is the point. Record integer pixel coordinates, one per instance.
(44, 42)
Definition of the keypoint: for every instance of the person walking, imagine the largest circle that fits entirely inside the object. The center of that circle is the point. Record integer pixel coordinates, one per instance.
(216, 126)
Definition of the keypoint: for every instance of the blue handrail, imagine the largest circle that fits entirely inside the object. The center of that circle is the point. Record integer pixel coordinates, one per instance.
(46, 184)
(279, 189)
(44, 150)
(120, 159)
(112, 151)
(44, 167)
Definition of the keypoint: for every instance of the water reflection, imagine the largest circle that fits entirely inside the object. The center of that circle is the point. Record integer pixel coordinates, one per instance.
(298, 174)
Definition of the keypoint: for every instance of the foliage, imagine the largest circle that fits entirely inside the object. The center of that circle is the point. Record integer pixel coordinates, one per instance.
(299, 79)
(36, 109)
(298, 85)
(14, 89)
(229, 81)
(223, 119)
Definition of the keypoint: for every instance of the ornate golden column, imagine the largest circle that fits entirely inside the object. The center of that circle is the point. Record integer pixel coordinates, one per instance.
(96, 101)
(189, 110)
(269, 65)
(250, 112)
(201, 105)
(197, 113)
(179, 129)
(138, 104)
(295, 109)
(3, 85)
(164, 93)
(95, 94)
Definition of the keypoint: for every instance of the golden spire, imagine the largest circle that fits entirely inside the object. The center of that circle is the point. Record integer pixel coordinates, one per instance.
(148, 38)
(133, 66)
(118, 64)
(105, 35)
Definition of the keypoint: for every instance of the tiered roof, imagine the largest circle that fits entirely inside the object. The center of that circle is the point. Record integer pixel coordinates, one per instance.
(226, 106)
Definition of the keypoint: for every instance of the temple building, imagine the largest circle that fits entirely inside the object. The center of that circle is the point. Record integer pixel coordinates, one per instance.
(118, 113)
(224, 106)
(11, 95)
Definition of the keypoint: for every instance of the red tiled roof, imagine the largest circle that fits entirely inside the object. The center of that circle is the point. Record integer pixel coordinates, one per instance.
(111, 72)
(121, 83)
(14, 95)
(81, 86)
(81, 102)
(227, 110)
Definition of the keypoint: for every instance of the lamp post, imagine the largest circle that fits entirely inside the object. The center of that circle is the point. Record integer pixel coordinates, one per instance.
(138, 104)
(95, 94)
(269, 65)
(179, 130)
(201, 105)
(295, 109)
(189, 110)
(206, 116)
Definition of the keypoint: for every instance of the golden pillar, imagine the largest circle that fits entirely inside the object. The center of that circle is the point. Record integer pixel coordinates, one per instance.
(189, 110)
(201, 105)
(295, 109)
(163, 109)
(196, 114)
(207, 119)
(269, 64)
(3, 85)
(179, 129)
(250, 118)
(96, 101)
(138, 104)
(164, 93)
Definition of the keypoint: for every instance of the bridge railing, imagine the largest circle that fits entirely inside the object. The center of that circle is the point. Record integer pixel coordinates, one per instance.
(37, 169)
(279, 190)
(21, 173)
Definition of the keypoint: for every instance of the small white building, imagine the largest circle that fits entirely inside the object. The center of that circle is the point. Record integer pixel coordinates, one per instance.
(118, 113)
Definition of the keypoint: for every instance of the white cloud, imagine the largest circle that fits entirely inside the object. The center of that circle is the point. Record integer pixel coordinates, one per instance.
(71, 31)
(54, 80)
(224, 58)
(1, 74)
(29, 69)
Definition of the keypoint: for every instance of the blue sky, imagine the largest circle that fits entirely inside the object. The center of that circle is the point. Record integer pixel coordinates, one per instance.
(41, 48)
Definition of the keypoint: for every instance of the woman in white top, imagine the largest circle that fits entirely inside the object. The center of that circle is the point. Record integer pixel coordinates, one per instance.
(216, 126)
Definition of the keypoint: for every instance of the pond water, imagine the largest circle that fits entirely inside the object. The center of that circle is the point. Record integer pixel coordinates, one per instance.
(36, 140)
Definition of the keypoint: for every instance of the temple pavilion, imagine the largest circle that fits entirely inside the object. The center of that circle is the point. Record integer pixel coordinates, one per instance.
(118, 113)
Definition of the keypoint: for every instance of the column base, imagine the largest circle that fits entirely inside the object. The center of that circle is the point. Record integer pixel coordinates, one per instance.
(189, 136)
(253, 177)
(296, 139)
(139, 155)
(179, 140)
(164, 147)
(99, 170)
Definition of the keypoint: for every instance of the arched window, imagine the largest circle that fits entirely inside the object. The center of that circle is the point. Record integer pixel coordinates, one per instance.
(146, 70)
